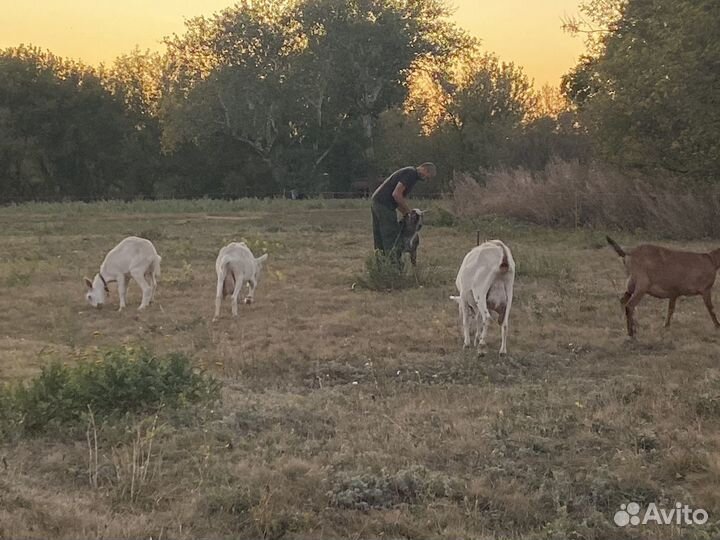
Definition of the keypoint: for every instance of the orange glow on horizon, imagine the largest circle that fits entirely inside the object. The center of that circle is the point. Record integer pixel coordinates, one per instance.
(527, 33)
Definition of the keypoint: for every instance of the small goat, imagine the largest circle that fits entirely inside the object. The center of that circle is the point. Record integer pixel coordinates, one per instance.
(485, 282)
(666, 273)
(236, 266)
(133, 257)
(409, 238)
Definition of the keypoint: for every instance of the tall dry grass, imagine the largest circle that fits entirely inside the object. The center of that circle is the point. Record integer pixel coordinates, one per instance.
(570, 194)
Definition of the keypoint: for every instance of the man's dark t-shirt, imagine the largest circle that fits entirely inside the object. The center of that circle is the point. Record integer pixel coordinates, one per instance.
(408, 176)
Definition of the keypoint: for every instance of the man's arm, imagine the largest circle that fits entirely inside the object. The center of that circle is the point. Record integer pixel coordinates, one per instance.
(399, 196)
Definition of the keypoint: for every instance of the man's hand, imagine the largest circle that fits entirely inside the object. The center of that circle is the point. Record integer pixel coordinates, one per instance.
(399, 196)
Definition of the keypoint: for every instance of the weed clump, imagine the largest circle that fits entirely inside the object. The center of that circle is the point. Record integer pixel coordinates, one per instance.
(384, 273)
(384, 490)
(119, 381)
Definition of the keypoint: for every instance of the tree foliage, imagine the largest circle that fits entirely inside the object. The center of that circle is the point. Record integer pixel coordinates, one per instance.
(290, 80)
(649, 98)
(61, 131)
(474, 105)
(269, 95)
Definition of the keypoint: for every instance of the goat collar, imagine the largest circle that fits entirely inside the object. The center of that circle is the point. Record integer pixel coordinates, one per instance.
(104, 282)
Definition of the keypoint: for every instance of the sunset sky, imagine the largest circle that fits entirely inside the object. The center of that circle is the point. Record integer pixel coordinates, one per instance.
(527, 32)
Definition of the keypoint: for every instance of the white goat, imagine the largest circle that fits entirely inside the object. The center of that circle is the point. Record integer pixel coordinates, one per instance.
(485, 282)
(236, 266)
(134, 257)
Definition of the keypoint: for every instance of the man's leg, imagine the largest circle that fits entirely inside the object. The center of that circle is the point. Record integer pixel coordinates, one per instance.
(377, 232)
(389, 230)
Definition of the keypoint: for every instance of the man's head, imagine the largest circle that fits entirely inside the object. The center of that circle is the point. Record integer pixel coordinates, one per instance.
(427, 170)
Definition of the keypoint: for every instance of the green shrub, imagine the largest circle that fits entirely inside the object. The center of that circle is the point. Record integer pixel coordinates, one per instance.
(117, 382)
(383, 273)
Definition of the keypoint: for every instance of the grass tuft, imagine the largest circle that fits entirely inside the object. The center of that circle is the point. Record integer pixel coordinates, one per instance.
(383, 490)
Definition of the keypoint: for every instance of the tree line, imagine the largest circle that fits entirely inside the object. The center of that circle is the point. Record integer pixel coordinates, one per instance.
(323, 95)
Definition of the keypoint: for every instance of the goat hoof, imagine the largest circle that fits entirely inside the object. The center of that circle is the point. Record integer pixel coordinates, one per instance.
(249, 300)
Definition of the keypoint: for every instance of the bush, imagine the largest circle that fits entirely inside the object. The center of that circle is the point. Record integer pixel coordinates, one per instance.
(383, 273)
(119, 381)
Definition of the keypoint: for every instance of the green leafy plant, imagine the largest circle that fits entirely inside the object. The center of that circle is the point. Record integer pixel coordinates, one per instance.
(383, 273)
(118, 381)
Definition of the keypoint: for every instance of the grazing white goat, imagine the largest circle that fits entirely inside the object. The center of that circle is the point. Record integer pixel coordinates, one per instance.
(485, 282)
(236, 266)
(133, 257)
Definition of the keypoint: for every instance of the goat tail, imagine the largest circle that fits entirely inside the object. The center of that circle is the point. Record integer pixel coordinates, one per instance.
(156, 267)
(504, 264)
(616, 247)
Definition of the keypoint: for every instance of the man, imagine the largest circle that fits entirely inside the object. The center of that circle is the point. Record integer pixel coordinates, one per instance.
(390, 197)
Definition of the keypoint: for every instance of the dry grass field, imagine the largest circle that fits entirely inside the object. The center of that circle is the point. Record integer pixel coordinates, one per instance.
(351, 413)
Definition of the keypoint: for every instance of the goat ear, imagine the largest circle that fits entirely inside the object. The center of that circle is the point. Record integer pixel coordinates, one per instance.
(262, 258)
(88, 283)
(455, 298)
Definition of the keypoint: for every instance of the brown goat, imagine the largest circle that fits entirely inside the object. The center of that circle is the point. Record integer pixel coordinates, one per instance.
(666, 273)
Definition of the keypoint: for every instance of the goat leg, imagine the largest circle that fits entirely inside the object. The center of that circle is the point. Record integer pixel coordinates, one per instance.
(671, 310)
(633, 301)
(628, 313)
(413, 251)
(707, 298)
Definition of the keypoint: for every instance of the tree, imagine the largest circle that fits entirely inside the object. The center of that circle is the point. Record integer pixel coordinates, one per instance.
(61, 129)
(134, 80)
(289, 80)
(476, 103)
(597, 19)
(649, 100)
